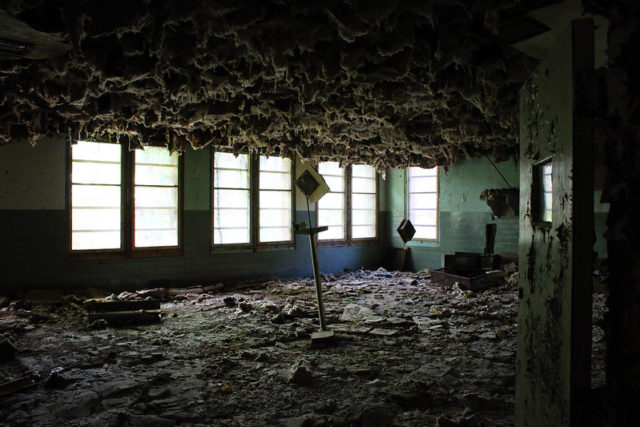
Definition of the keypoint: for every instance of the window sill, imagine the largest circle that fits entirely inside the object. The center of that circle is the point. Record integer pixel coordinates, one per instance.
(331, 243)
(156, 252)
(92, 255)
(226, 249)
(95, 255)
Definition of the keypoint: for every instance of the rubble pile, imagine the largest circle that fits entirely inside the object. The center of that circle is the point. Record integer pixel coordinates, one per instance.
(383, 82)
(407, 352)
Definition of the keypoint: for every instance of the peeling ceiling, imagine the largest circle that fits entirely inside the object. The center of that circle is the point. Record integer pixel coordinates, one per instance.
(385, 82)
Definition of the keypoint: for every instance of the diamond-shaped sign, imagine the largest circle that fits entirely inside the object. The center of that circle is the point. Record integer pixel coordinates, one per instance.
(406, 230)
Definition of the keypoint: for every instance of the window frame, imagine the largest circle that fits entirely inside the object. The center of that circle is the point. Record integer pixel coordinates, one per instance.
(229, 246)
(127, 213)
(538, 191)
(349, 240)
(408, 207)
(254, 243)
(347, 212)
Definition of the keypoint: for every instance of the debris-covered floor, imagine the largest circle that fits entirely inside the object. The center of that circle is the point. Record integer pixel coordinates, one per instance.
(408, 352)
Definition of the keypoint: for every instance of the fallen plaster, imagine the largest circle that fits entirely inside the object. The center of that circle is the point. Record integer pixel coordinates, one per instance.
(408, 352)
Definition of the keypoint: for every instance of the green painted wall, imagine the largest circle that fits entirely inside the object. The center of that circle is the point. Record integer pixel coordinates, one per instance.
(462, 215)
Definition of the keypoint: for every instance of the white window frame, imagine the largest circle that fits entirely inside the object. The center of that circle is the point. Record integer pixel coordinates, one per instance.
(344, 207)
(127, 247)
(410, 211)
(254, 207)
(348, 214)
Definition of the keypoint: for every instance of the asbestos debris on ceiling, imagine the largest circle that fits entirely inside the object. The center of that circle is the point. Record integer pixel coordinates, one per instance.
(388, 83)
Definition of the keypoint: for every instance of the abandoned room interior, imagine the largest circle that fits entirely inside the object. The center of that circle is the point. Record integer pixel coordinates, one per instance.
(302, 213)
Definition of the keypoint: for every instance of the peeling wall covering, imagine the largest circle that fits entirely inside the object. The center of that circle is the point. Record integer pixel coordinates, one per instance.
(387, 83)
(548, 359)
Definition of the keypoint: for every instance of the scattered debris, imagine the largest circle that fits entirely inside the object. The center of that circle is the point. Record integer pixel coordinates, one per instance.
(406, 352)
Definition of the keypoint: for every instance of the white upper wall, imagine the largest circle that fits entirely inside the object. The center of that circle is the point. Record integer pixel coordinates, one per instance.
(33, 177)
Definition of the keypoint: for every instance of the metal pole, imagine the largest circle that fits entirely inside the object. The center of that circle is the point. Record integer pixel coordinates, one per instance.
(316, 274)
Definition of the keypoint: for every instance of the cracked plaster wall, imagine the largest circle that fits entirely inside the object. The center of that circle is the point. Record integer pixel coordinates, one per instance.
(555, 258)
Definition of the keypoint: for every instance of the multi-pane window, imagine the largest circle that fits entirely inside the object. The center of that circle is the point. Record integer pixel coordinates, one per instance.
(331, 207)
(96, 196)
(423, 202)
(231, 199)
(111, 193)
(156, 198)
(275, 199)
(252, 199)
(350, 208)
(547, 192)
(363, 202)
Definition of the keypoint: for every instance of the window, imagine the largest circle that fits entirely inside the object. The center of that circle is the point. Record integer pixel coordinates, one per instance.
(423, 202)
(231, 199)
(331, 208)
(156, 198)
(363, 202)
(252, 200)
(542, 191)
(96, 195)
(547, 192)
(102, 208)
(275, 199)
(348, 218)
